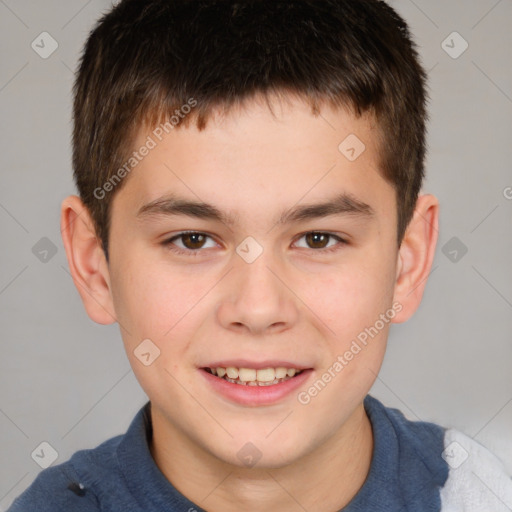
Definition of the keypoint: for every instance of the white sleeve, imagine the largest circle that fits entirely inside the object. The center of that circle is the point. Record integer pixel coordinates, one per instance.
(477, 480)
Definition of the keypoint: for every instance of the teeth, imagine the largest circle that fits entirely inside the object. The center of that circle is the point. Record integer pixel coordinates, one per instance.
(281, 372)
(266, 375)
(232, 373)
(252, 377)
(246, 374)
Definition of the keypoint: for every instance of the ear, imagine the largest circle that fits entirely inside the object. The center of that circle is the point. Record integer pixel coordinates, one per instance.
(86, 259)
(415, 256)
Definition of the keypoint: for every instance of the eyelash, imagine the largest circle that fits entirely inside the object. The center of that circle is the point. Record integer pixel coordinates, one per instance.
(191, 252)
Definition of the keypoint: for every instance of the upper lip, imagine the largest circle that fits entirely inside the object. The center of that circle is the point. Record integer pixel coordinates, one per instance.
(257, 365)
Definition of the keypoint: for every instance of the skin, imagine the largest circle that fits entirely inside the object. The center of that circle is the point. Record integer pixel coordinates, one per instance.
(293, 303)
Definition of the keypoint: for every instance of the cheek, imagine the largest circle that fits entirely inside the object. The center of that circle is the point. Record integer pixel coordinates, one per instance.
(352, 298)
(153, 302)
(357, 307)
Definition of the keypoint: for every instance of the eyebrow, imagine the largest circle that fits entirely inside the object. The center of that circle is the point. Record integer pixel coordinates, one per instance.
(342, 204)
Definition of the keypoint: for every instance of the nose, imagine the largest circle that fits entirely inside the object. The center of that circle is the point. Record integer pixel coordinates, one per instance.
(257, 298)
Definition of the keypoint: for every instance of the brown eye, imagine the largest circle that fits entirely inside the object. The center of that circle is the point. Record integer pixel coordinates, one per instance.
(193, 240)
(322, 242)
(189, 243)
(317, 240)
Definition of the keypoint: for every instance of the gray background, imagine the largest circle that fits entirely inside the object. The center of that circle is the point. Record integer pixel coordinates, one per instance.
(67, 381)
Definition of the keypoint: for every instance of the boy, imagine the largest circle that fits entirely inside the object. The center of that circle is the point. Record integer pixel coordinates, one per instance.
(249, 213)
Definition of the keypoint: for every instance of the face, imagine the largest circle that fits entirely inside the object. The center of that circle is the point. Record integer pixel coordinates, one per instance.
(291, 266)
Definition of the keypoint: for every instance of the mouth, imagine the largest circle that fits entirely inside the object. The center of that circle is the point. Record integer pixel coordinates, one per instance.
(254, 377)
(249, 386)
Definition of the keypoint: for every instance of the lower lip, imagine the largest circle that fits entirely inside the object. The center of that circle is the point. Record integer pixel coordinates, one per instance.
(256, 395)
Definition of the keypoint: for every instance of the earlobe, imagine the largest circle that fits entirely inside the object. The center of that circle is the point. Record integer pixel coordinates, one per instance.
(86, 259)
(416, 255)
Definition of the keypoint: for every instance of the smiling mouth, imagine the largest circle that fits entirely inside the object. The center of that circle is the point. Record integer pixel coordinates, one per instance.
(253, 377)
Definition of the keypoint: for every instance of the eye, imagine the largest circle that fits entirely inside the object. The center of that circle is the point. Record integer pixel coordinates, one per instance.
(191, 242)
(318, 240)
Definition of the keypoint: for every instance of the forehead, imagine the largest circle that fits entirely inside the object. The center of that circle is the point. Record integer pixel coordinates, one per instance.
(250, 157)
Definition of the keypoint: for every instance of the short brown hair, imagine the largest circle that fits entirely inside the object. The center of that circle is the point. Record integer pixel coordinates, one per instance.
(145, 59)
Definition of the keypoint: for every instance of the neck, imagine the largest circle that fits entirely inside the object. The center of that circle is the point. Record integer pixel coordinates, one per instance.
(326, 479)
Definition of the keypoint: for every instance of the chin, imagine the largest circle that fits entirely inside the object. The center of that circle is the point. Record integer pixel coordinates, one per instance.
(259, 452)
